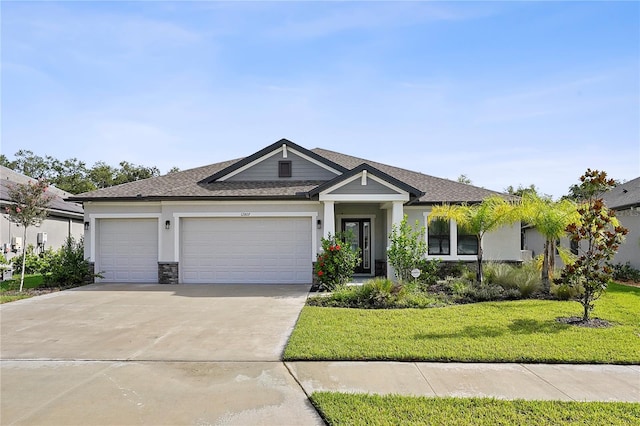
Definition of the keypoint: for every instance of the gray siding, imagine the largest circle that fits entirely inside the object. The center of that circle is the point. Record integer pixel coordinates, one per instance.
(267, 170)
(356, 187)
(57, 229)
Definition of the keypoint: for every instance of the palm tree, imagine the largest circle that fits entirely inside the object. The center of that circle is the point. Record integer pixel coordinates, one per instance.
(478, 219)
(551, 219)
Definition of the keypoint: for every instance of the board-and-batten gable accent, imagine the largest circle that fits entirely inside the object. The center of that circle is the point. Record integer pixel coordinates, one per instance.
(283, 146)
(93, 220)
(313, 216)
(395, 190)
(268, 169)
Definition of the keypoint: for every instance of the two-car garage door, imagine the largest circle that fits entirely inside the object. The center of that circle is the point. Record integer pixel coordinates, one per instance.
(212, 250)
(246, 250)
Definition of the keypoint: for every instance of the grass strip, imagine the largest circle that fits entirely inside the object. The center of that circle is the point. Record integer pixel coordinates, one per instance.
(365, 409)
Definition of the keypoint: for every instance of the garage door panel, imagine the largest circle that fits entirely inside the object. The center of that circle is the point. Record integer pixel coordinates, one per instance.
(127, 250)
(246, 250)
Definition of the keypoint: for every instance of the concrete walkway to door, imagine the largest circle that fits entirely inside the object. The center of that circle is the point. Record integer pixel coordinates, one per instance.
(121, 354)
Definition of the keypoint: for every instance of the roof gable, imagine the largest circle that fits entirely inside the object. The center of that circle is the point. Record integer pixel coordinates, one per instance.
(252, 168)
(365, 182)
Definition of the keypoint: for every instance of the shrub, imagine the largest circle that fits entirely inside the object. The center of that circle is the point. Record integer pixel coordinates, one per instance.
(70, 268)
(335, 265)
(523, 279)
(379, 293)
(429, 269)
(451, 269)
(500, 274)
(408, 248)
(625, 272)
(34, 263)
(565, 292)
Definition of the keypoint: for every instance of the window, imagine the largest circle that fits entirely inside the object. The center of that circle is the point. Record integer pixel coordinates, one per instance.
(439, 238)
(574, 247)
(467, 243)
(284, 169)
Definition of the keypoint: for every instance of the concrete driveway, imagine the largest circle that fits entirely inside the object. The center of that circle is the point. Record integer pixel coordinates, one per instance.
(152, 354)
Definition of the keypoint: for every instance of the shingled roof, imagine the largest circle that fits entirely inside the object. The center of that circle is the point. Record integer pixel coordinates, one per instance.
(57, 206)
(624, 195)
(195, 184)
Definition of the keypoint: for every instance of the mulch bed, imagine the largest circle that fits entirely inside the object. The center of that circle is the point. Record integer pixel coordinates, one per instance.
(592, 323)
(36, 291)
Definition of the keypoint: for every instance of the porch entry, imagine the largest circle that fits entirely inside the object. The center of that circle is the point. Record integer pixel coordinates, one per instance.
(359, 231)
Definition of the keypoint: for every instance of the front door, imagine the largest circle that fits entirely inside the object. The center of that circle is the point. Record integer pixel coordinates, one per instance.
(359, 233)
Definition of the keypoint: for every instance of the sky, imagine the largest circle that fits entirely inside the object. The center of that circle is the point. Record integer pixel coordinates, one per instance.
(506, 93)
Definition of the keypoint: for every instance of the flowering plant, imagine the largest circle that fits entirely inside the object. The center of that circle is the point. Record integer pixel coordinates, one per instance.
(336, 263)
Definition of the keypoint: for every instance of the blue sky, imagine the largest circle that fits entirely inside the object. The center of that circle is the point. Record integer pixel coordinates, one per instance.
(506, 93)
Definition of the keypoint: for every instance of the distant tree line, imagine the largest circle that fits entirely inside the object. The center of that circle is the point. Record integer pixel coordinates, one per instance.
(73, 175)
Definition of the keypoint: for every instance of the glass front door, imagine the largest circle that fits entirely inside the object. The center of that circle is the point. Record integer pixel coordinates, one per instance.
(358, 232)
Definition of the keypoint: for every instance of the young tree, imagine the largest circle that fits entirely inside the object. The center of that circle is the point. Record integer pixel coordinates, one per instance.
(28, 208)
(551, 220)
(478, 219)
(601, 234)
(408, 248)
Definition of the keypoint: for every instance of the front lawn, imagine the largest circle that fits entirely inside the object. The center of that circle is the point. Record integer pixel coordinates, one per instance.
(362, 409)
(9, 289)
(514, 331)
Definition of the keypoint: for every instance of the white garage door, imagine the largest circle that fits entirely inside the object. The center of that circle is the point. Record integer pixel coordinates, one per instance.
(127, 250)
(246, 250)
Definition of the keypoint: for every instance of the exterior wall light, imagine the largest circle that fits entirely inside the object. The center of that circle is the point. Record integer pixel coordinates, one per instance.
(319, 223)
(86, 226)
(167, 224)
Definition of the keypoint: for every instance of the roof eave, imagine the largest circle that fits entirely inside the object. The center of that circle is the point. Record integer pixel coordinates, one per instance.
(301, 196)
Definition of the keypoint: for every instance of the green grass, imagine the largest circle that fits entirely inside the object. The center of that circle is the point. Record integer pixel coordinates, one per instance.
(514, 331)
(9, 288)
(362, 409)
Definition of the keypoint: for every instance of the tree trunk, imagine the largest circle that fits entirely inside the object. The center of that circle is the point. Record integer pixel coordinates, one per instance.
(480, 275)
(586, 304)
(546, 286)
(552, 258)
(24, 257)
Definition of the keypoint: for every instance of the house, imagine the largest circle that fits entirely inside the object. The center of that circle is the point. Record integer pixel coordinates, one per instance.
(65, 219)
(625, 200)
(260, 219)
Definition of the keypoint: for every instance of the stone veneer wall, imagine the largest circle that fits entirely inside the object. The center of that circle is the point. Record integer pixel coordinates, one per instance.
(92, 271)
(168, 272)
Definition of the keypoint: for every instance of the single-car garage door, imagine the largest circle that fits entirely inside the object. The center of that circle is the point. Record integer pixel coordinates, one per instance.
(246, 250)
(127, 250)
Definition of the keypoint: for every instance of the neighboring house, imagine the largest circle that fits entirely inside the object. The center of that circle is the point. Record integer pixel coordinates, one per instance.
(260, 219)
(65, 219)
(625, 200)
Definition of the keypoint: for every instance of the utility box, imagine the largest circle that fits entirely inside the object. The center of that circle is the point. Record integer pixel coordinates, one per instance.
(16, 243)
(42, 238)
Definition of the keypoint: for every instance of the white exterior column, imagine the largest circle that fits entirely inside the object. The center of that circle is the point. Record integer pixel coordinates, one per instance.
(453, 238)
(397, 213)
(329, 225)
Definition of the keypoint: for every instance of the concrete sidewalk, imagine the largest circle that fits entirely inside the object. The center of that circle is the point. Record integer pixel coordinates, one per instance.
(565, 382)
